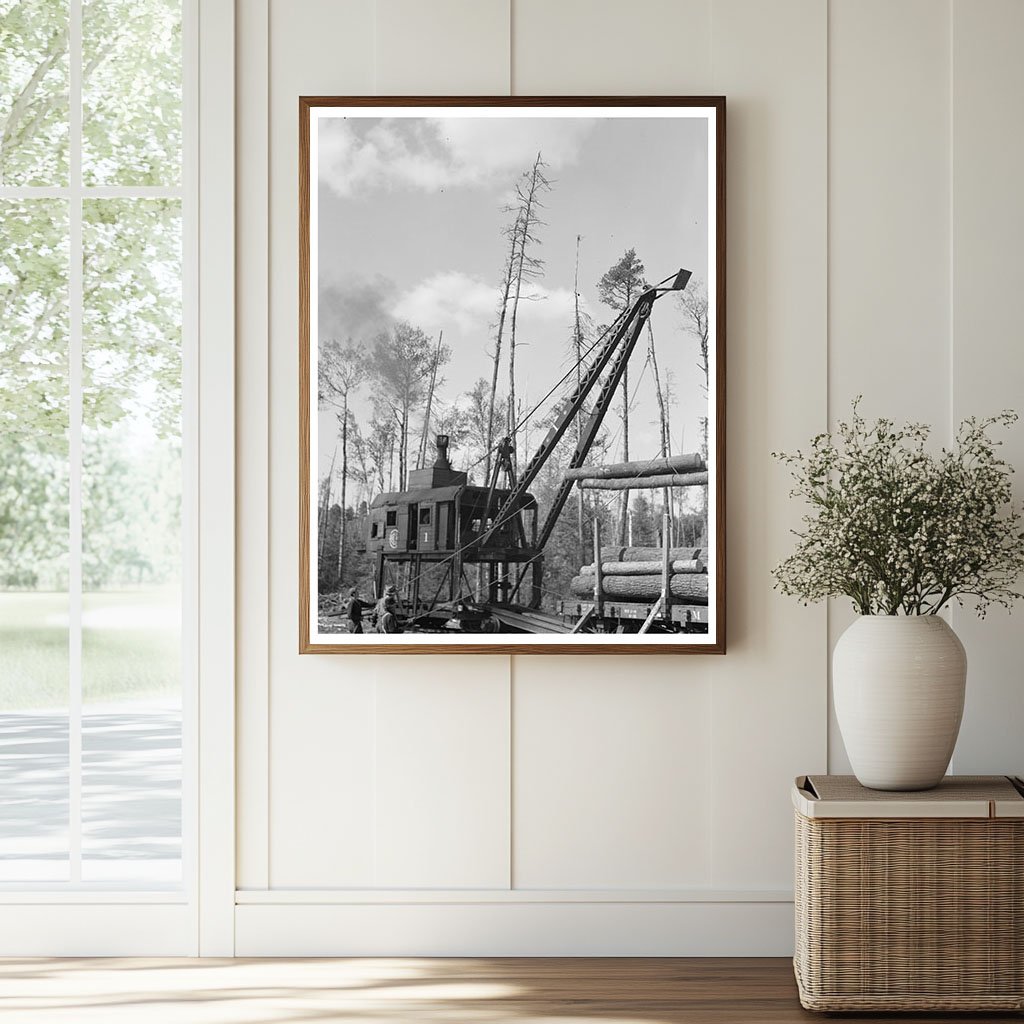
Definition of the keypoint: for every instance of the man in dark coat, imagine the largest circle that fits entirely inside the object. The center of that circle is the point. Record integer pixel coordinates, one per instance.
(355, 611)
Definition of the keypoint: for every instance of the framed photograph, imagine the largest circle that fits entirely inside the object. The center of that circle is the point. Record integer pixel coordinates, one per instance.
(512, 375)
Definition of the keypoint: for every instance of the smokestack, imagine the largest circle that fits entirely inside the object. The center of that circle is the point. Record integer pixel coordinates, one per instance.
(442, 461)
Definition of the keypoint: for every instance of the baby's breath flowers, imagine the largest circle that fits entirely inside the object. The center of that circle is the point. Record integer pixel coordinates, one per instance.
(900, 530)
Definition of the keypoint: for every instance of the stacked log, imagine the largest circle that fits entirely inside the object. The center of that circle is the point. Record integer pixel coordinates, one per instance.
(640, 483)
(637, 574)
(690, 588)
(638, 470)
(650, 554)
(645, 568)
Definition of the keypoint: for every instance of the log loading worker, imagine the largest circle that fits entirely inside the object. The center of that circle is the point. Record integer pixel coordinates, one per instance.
(387, 612)
(355, 611)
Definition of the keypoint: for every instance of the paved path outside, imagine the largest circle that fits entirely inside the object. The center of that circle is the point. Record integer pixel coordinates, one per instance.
(131, 792)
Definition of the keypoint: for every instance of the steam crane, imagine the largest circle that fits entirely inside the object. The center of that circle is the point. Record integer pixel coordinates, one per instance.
(442, 523)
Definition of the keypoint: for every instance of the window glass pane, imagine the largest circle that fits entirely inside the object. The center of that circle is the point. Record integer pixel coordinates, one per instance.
(131, 92)
(33, 540)
(33, 92)
(131, 541)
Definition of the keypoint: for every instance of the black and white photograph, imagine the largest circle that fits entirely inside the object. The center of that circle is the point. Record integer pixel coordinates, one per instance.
(511, 341)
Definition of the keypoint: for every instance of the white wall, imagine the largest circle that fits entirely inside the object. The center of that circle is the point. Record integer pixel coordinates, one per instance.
(535, 805)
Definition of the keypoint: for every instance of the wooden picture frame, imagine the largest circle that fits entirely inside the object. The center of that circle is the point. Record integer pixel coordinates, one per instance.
(406, 180)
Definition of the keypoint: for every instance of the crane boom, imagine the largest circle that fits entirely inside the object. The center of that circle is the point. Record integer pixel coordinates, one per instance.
(614, 353)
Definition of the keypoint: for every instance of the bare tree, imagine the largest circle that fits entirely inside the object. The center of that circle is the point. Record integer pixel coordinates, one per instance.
(442, 354)
(363, 472)
(577, 347)
(531, 186)
(402, 358)
(484, 414)
(669, 397)
(342, 372)
(663, 425)
(511, 233)
(325, 505)
(377, 452)
(453, 422)
(618, 287)
(693, 304)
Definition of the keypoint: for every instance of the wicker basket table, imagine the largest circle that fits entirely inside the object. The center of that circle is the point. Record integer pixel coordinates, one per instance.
(910, 901)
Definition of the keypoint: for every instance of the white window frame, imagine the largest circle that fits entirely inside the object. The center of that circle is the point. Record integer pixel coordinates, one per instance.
(76, 918)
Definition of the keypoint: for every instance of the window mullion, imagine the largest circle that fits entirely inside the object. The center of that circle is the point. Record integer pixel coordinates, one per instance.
(75, 333)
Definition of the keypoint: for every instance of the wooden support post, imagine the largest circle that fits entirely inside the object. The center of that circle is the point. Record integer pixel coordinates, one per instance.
(651, 615)
(583, 620)
(437, 593)
(537, 576)
(666, 569)
(598, 571)
(414, 596)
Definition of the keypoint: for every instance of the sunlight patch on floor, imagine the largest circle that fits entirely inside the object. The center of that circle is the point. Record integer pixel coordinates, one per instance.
(145, 991)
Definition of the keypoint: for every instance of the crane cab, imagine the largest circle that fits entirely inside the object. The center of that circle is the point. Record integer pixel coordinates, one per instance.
(430, 531)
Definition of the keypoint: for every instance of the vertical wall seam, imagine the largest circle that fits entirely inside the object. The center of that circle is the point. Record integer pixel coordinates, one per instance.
(828, 344)
(950, 127)
(374, 32)
(266, 440)
(375, 768)
(510, 661)
(511, 58)
(511, 704)
(252, 757)
(711, 45)
(712, 821)
(950, 354)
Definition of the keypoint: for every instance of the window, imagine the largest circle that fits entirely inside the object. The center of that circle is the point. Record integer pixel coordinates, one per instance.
(424, 517)
(374, 528)
(392, 518)
(93, 444)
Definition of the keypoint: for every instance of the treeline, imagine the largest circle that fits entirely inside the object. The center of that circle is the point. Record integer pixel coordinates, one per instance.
(131, 512)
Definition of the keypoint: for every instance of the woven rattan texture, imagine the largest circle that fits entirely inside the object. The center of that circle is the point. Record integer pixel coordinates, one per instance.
(910, 914)
(960, 787)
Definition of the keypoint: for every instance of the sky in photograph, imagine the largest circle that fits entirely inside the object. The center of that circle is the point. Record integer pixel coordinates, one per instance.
(410, 227)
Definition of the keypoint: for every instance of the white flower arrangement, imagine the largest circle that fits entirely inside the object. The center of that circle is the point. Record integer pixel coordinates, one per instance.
(900, 530)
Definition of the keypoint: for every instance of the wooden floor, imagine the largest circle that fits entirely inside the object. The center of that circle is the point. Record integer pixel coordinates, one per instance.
(372, 991)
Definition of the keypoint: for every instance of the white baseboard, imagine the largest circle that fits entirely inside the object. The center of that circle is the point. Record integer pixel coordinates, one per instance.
(99, 928)
(515, 928)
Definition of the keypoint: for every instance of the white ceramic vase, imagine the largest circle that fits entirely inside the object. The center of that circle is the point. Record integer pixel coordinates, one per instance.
(898, 684)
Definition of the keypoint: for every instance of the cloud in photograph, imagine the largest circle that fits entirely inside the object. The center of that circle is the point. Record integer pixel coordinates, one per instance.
(452, 298)
(358, 156)
(357, 311)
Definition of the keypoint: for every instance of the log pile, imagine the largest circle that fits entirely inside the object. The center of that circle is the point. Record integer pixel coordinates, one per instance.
(636, 574)
(645, 482)
(688, 470)
(639, 470)
(690, 588)
(650, 554)
(644, 568)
